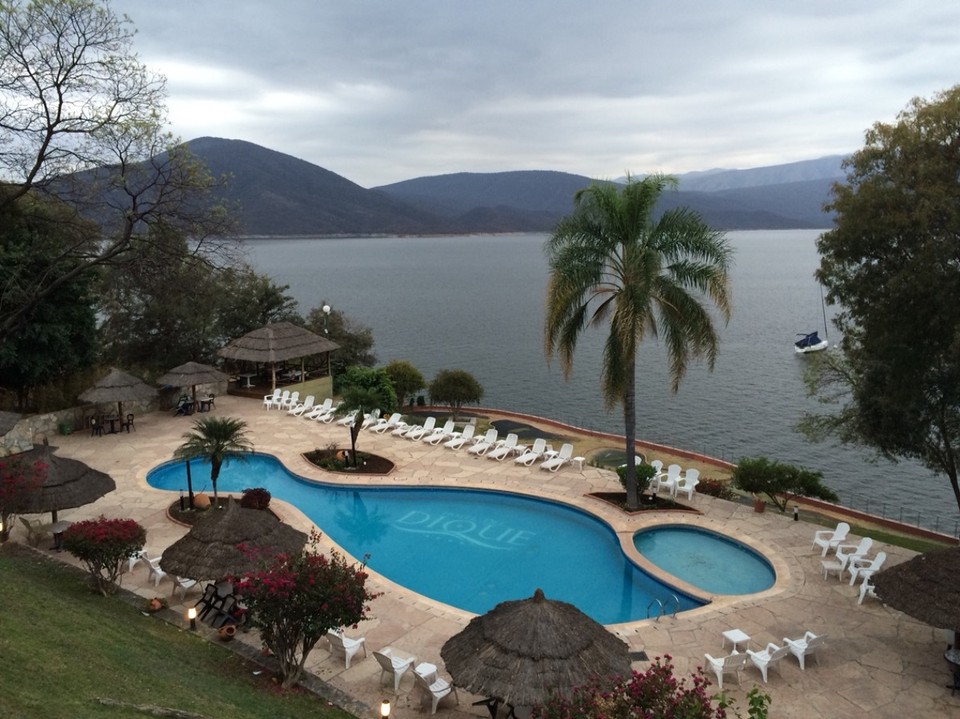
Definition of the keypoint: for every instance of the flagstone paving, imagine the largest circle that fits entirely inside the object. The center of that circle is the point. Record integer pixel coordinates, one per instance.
(879, 663)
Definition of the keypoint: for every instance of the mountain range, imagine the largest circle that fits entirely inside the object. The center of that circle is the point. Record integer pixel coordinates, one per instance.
(280, 195)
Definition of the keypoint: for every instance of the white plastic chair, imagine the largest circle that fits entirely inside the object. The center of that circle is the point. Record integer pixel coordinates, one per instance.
(156, 573)
(562, 457)
(461, 439)
(435, 690)
(393, 665)
(440, 434)
(864, 567)
(270, 399)
(831, 538)
(847, 553)
(344, 646)
(807, 645)
(768, 658)
(485, 443)
(504, 448)
(299, 409)
(533, 453)
(866, 590)
(687, 484)
(670, 481)
(730, 664)
(183, 585)
(277, 402)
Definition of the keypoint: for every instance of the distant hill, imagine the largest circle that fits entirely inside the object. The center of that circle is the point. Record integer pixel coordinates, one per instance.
(279, 195)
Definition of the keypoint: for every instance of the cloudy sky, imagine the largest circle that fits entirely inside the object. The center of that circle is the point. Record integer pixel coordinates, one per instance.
(386, 90)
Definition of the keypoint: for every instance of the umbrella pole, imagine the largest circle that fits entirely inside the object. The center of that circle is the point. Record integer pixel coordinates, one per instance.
(273, 375)
(189, 484)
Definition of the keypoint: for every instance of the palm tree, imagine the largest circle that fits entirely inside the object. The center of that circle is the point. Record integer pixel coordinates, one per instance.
(215, 439)
(354, 399)
(611, 261)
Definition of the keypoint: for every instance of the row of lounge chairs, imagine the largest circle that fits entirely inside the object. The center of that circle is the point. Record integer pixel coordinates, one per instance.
(767, 658)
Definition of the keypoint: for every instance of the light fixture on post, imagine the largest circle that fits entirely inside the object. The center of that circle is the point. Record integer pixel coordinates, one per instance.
(326, 316)
(385, 708)
(192, 616)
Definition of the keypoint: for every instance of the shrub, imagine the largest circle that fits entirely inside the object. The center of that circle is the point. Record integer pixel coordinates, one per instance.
(102, 545)
(716, 488)
(255, 498)
(654, 694)
(294, 600)
(19, 480)
(779, 482)
(645, 472)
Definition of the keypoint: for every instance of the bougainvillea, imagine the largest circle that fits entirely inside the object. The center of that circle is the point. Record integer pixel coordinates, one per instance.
(255, 498)
(102, 545)
(294, 600)
(18, 480)
(654, 694)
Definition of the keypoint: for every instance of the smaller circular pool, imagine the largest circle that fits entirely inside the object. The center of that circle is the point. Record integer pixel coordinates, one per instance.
(705, 559)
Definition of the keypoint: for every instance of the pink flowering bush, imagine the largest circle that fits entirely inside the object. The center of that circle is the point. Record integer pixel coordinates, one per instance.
(294, 600)
(19, 479)
(103, 545)
(653, 694)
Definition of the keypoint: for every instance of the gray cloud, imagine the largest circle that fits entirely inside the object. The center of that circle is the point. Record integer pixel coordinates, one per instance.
(379, 90)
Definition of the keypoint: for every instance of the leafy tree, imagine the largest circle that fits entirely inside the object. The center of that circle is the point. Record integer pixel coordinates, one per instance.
(59, 335)
(19, 479)
(82, 119)
(215, 439)
(612, 263)
(654, 694)
(294, 600)
(780, 482)
(103, 545)
(377, 381)
(406, 379)
(355, 340)
(455, 387)
(891, 262)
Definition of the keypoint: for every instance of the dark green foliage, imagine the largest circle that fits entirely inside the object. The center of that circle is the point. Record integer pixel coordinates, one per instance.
(255, 498)
(215, 439)
(644, 473)
(455, 387)
(355, 340)
(891, 262)
(367, 387)
(406, 379)
(779, 482)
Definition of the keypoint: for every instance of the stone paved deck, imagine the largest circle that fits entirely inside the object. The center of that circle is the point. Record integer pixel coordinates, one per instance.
(880, 663)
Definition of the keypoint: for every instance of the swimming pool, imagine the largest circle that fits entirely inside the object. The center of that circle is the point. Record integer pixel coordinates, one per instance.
(705, 559)
(468, 548)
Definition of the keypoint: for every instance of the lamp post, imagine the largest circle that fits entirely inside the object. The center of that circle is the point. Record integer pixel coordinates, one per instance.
(192, 616)
(326, 316)
(385, 708)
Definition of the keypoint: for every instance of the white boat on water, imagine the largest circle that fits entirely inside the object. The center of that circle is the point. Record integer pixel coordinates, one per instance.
(809, 343)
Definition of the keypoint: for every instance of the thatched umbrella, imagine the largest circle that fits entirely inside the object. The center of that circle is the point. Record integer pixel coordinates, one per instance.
(277, 342)
(119, 387)
(925, 587)
(210, 549)
(522, 650)
(190, 375)
(69, 483)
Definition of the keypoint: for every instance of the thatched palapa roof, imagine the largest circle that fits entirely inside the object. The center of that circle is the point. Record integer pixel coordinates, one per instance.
(119, 387)
(522, 650)
(69, 483)
(277, 342)
(210, 549)
(191, 374)
(925, 587)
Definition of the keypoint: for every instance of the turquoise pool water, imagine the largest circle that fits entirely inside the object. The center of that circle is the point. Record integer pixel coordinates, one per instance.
(705, 559)
(467, 548)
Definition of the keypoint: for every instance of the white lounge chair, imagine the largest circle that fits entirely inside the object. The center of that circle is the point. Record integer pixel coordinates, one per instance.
(504, 448)
(330, 415)
(485, 443)
(269, 399)
(393, 665)
(831, 538)
(461, 439)
(730, 664)
(864, 568)
(687, 484)
(385, 423)
(533, 453)
(277, 403)
(303, 406)
(434, 690)
(291, 400)
(670, 480)
(344, 646)
(807, 645)
(349, 418)
(370, 419)
(421, 431)
(440, 434)
(560, 459)
(768, 658)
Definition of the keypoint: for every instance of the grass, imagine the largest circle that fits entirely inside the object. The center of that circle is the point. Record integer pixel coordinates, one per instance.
(64, 648)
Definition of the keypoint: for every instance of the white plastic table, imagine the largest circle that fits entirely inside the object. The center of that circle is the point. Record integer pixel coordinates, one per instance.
(735, 637)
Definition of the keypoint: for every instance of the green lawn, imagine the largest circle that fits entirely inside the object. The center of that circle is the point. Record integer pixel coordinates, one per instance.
(63, 648)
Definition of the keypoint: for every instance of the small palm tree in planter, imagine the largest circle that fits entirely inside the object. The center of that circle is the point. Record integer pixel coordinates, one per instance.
(358, 399)
(644, 473)
(215, 439)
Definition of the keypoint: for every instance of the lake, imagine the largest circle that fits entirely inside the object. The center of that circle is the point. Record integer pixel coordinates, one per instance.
(477, 303)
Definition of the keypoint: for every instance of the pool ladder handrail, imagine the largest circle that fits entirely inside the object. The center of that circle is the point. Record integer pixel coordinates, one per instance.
(663, 608)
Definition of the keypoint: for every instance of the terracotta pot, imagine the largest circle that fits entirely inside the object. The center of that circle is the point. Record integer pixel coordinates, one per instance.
(155, 605)
(228, 632)
(201, 501)
(759, 505)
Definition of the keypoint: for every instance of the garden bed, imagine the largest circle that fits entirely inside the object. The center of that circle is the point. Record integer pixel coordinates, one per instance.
(338, 460)
(648, 503)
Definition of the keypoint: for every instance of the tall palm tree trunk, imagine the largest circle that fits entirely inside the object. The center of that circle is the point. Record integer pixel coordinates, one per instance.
(630, 432)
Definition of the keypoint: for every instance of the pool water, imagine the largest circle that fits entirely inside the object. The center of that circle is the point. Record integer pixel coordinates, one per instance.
(710, 561)
(468, 548)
